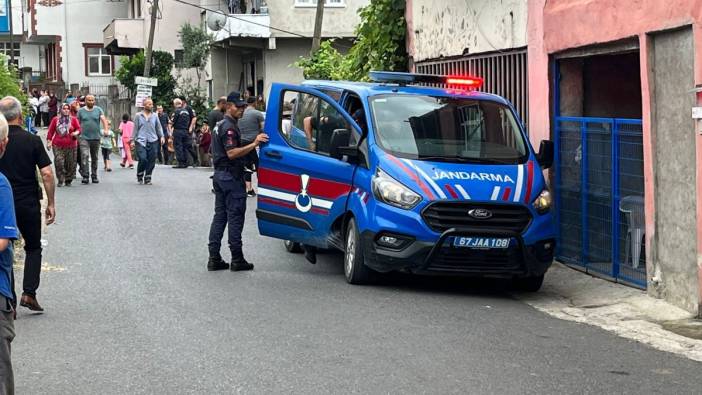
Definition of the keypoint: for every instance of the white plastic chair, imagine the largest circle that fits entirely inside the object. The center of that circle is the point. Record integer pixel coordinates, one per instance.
(633, 208)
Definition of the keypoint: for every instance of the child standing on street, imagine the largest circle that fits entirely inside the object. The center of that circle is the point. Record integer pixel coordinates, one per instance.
(127, 129)
(106, 146)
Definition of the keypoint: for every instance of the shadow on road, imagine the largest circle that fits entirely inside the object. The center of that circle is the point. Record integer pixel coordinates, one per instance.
(332, 262)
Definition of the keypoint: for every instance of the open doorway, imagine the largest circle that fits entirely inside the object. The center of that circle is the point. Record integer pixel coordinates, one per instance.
(599, 181)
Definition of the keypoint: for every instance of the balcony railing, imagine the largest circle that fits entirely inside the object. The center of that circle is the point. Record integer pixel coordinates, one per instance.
(249, 7)
(241, 25)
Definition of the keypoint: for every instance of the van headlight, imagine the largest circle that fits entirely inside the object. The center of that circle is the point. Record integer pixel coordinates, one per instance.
(542, 204)
(392, 192)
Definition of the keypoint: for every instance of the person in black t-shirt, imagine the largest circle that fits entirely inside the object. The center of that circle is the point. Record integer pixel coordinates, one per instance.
(183, 123)
(24, 154)
(217, 114)
(163, 154)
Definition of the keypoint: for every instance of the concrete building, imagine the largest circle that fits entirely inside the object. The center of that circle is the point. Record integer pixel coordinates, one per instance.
(484, 37)
(637, 66)
(128, 34)
(613, 83)
(29, 53)
(71, 36)
(254, 50)
(68, 42)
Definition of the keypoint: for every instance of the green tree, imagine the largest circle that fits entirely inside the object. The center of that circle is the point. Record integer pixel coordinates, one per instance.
(161, 68)
(196, 44)
(379, 45)
(10, 84)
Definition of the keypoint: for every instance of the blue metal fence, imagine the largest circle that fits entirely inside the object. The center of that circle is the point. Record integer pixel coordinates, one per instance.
(600, 163)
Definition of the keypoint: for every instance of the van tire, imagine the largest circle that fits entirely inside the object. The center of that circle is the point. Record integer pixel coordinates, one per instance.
(527, 284)
(355, 269)
(292, 247)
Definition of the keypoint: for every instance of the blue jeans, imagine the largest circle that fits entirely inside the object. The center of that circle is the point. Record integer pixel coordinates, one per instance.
(147, 159)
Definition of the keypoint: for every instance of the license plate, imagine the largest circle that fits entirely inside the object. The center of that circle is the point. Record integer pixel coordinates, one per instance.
(481, 242)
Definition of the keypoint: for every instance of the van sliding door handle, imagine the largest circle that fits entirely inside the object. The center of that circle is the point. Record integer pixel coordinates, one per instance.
(274, 154)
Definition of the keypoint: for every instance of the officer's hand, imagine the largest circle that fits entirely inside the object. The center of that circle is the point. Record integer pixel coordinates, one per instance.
(261, 138)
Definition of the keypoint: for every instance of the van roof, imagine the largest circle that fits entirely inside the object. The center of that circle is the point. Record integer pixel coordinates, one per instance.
(368, 89)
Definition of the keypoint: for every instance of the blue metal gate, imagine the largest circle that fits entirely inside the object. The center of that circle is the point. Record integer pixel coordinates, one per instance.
(599, 187)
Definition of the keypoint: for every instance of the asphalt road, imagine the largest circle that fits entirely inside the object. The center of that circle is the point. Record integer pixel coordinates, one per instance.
(131, 309)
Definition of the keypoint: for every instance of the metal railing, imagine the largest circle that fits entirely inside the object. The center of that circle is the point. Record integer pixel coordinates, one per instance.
(599, 163)
(505, 74)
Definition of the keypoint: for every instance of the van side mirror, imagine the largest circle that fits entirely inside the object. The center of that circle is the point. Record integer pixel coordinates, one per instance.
(545, 155)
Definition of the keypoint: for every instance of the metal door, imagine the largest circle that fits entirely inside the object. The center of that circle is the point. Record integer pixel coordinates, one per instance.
(599, 189)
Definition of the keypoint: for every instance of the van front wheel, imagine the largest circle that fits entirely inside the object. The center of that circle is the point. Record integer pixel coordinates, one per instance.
(355, 270)
(528, 284)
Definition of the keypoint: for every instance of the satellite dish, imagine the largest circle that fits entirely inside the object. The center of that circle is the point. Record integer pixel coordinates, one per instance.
(216, 21)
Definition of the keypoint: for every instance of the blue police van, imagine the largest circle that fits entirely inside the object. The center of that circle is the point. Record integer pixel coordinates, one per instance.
(401, 175)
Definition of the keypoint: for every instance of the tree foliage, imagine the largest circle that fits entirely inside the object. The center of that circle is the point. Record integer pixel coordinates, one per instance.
(196, 99)
(196, 44)
(161, 66)
(9, 83)
(379, 45)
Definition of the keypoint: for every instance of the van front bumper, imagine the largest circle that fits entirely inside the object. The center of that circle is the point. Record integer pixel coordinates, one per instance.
(441, 257)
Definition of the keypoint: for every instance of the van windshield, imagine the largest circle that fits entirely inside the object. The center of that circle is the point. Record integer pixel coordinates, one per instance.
(447, 129)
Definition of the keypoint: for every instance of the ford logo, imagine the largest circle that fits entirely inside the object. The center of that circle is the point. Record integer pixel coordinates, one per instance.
(480, 213)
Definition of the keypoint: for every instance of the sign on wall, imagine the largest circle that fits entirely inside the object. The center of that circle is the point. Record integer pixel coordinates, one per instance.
(4, 19)
(146, 81)
(143, 92)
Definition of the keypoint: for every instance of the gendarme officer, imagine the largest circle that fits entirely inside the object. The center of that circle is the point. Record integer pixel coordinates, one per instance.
(229, 157)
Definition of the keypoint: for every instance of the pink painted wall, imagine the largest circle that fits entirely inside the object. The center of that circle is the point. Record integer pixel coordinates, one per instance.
(557, 25)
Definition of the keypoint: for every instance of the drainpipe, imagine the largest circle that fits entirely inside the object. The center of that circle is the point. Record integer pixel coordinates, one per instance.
(65, 40)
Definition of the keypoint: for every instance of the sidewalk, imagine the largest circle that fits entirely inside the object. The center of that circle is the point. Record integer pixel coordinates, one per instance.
(571, 295)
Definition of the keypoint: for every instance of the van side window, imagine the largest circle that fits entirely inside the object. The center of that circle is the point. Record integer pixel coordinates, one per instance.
(313, 124)
(334, 94)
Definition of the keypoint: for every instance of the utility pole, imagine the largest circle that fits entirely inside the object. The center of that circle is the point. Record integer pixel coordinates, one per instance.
(317, 38)
(12, 40)
(150, 45)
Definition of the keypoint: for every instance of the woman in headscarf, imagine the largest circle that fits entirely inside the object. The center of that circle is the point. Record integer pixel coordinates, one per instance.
(63, 138)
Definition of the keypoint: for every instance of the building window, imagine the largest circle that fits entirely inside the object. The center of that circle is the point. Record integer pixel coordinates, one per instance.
(313, 3)
(178, 57)
(97, 61)
(6, 49)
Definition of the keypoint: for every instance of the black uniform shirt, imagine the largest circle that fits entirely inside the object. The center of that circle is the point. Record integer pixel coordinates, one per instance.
(182, 118)
(24, 153)
(214, 117)
(230, 171)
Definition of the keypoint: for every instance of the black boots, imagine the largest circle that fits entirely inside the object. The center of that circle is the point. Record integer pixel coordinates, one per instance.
(216, 263)
(310, 254)
(241, 265)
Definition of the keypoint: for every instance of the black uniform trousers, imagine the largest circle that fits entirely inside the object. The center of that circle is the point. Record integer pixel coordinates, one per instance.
(230, 211)
(28, 213)
(183, 144)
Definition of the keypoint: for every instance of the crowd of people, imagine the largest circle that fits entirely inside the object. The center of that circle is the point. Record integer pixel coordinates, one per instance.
(79, 132)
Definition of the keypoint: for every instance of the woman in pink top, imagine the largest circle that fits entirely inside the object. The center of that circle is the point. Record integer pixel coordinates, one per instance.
(127, 129)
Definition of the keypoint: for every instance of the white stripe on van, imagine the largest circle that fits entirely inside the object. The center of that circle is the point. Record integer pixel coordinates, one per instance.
(462, 192)
(495, 193)
(428, 179)
(520, 183)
